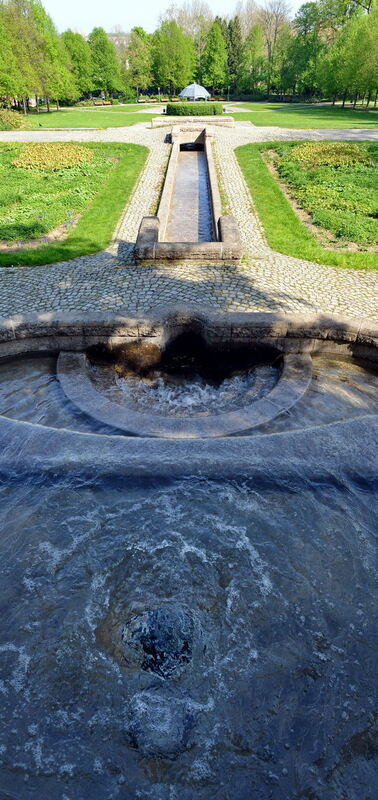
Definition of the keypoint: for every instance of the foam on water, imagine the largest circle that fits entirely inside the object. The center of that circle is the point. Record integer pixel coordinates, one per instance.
(162, 395)
(276, 699)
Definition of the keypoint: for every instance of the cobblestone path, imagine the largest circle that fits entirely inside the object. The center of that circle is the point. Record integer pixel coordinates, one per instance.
(264, 281)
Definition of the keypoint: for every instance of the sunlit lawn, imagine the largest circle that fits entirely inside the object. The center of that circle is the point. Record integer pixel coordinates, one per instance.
(284, 230)
(34, 202)
(294, 116)
(101, 117)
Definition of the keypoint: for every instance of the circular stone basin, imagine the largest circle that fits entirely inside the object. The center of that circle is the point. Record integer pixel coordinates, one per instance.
(77, 381)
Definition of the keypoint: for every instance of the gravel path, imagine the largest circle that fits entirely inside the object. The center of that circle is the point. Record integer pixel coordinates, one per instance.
(264, 281)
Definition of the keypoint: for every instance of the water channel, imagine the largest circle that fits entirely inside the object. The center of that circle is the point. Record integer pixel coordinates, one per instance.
(190, 215)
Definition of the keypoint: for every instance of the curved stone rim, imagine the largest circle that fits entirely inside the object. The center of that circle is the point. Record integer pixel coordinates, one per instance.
(74, 377)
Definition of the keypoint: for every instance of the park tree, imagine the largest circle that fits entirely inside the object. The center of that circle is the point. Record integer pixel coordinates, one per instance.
(235, 52)
(55, 78)
(26, 48)
(247, 12)
(254, 63)
(139, 58)
(274, 14)
(215, 58)
(106, 67)
(173, 56)
(194, 18)
(9, 76)
(80, 58)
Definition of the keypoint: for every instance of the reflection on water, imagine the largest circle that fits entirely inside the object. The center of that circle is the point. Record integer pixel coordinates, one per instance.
(340, 389)
(190, 217)
(264, 600)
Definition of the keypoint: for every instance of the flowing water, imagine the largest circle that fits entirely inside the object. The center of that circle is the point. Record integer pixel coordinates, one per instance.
(190, 217)
(164, 641)
(340, 389)
(177, 396)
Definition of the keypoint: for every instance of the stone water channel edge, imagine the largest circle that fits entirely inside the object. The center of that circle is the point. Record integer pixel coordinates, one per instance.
(264, 281)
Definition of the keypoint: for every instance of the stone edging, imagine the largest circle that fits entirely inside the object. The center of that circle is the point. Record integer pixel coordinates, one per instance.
(74, 377)
(290, 333)
(349, 446)
(151, 244)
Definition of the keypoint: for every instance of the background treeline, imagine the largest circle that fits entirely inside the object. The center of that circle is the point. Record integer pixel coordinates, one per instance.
(329, 49)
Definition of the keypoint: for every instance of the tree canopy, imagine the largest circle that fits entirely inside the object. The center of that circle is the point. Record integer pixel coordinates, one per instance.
(329, 49)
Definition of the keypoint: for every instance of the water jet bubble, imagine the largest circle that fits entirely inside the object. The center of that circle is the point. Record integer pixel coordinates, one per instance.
(159, 640)
(159, 725)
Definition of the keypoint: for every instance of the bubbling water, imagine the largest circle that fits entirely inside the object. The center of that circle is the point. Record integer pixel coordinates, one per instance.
(180, 397)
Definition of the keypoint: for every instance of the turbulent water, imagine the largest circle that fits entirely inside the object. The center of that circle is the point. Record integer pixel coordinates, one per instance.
(340, 389)
(197, 396)
(164, 641)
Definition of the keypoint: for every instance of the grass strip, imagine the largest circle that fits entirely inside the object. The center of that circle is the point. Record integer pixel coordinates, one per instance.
(284, 231)
(98, 222)
(87, 118)
(310, 117)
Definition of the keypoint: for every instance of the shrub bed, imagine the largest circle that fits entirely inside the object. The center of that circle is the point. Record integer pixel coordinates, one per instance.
(84, 201)
(336, 183)
(52, 156)
(11, 120)
(284, 230)
(194, 109)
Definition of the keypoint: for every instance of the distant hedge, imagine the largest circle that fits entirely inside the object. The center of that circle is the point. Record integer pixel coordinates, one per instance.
(194, 109)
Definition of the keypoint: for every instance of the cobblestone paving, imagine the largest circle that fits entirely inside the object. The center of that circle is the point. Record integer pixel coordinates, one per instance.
(264, 281)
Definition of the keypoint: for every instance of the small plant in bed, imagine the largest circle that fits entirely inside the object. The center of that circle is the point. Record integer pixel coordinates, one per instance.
(61, 200)
(336, 184)
(317, 200)
(12, 120)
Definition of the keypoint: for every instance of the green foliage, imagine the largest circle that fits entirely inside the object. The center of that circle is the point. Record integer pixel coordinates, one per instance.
(86, 201)
(106, 67)
(139, 57)
(80, 57)
(284, 230)
(194, 109)
(333, 154)
(52, 156)
(11, 120)
(173, 57)
(336, 183)
(215, 58)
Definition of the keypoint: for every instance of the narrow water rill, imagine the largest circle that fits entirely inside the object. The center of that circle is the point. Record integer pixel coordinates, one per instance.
(189, 225)
(188, 514)
(190, 216)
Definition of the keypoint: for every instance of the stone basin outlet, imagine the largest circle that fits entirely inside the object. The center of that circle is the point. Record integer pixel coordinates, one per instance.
(189, 225)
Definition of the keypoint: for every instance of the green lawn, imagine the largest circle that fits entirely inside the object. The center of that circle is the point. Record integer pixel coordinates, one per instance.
(35, 201)
(261, 114)
(284, 230)
(267, 114)
(103, 117)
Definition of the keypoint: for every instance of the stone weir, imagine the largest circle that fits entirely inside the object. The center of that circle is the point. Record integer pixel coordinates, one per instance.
(189, 225)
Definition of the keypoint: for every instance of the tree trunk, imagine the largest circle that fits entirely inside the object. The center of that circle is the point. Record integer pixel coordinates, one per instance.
(333, 100)
(355, 100)
(344, 98)
(57, 104)
(368, 99)
(48, 104)
(36, 104)
(376, 97)
(24, 105)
